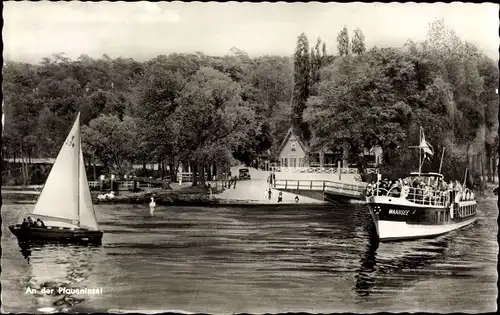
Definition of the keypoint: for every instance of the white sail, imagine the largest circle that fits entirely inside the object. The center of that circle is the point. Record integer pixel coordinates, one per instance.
(87, 214)
(60, 195)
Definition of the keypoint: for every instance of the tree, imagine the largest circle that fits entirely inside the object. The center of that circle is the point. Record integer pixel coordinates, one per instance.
(317, 61)
(212, 119)
(358, 42)
(111, 141)
(302, 80)
(343, 42)
(159, 130)
(361, 103)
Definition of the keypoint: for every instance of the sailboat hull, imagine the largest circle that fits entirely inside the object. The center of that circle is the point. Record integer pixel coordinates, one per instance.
(55, 235)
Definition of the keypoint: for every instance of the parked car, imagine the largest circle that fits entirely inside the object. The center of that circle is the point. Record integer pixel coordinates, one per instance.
(244, 173)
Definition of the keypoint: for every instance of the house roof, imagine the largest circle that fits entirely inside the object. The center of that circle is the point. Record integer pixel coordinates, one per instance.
(287, 137)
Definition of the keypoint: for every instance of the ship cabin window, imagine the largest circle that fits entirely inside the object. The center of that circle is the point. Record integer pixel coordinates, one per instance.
(436, 217)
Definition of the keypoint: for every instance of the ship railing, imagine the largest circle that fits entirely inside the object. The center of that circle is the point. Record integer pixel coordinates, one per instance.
(415, 195)
(428, 197)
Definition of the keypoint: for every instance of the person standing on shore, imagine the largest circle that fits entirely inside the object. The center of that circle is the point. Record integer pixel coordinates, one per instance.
(274, 180)
(280, 196)
(269, 193)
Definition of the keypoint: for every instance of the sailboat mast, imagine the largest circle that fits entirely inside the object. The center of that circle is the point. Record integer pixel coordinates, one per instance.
(79, 147)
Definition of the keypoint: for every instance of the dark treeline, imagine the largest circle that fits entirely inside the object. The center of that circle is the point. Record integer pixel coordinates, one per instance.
(206, 110)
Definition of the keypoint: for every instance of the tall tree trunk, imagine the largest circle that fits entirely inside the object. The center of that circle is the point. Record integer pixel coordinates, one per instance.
(202, 174)
(23, 166)
(209, 172)
(94, 171)
(194, 170)
(172, 171)
(162, 166)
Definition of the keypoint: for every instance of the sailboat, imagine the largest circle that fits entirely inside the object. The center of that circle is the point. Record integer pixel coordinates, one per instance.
(65, 204)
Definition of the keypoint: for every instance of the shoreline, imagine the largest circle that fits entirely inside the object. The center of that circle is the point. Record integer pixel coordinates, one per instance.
(164, 198)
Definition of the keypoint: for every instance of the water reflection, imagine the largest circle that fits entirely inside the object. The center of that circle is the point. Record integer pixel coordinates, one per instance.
(54, 268)
(366, 273)
(395, 265)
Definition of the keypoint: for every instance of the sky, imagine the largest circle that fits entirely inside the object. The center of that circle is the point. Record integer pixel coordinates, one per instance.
(142, 30)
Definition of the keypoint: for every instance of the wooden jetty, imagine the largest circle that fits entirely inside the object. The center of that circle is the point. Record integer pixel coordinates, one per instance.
(328, 190)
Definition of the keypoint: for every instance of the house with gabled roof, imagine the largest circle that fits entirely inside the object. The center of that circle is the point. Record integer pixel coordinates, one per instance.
(294, 152)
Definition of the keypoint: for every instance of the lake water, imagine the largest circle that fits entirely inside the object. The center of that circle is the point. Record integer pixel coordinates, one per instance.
(255, 260)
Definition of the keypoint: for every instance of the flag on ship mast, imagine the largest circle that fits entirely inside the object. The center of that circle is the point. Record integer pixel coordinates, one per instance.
(426, 147)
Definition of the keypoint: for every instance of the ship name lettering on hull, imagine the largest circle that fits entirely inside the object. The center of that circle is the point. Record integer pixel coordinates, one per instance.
(399, 212)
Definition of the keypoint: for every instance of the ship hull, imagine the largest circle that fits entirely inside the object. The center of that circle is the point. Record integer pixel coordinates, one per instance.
(43, 235)
(400, 231)
(397, 220)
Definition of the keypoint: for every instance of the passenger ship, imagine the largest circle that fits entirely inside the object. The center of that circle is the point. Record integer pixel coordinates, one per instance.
(418, 213)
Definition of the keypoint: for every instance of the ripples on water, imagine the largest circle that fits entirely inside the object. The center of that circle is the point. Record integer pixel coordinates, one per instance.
(224, 260)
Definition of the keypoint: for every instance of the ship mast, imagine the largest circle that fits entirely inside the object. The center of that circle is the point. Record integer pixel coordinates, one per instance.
(419, 151)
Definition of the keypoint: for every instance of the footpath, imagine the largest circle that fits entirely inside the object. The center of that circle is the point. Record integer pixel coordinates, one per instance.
(254, 191)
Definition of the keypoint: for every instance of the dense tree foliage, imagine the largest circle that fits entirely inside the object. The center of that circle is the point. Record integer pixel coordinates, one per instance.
(358, 42)
(203, 111)
(343, 44)
(302, 84)
(384, 96)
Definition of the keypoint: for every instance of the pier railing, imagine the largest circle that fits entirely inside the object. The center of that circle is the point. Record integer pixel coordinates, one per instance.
(356, 190)
(323, 170)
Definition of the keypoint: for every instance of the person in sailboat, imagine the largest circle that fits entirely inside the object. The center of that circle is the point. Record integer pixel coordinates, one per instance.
(39, 223)
(30, 222)
(25, 223)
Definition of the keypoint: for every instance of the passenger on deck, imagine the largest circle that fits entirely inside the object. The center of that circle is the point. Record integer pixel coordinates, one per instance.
(427, 192)
(30, 222)
(40, 223)
(405, 189)
(25, 223)
(369, 188)
(396, 189)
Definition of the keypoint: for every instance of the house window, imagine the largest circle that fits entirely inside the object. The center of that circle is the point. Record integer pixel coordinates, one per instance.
(293, 162)
(293, 146)
(283, 162)
(301, 162)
